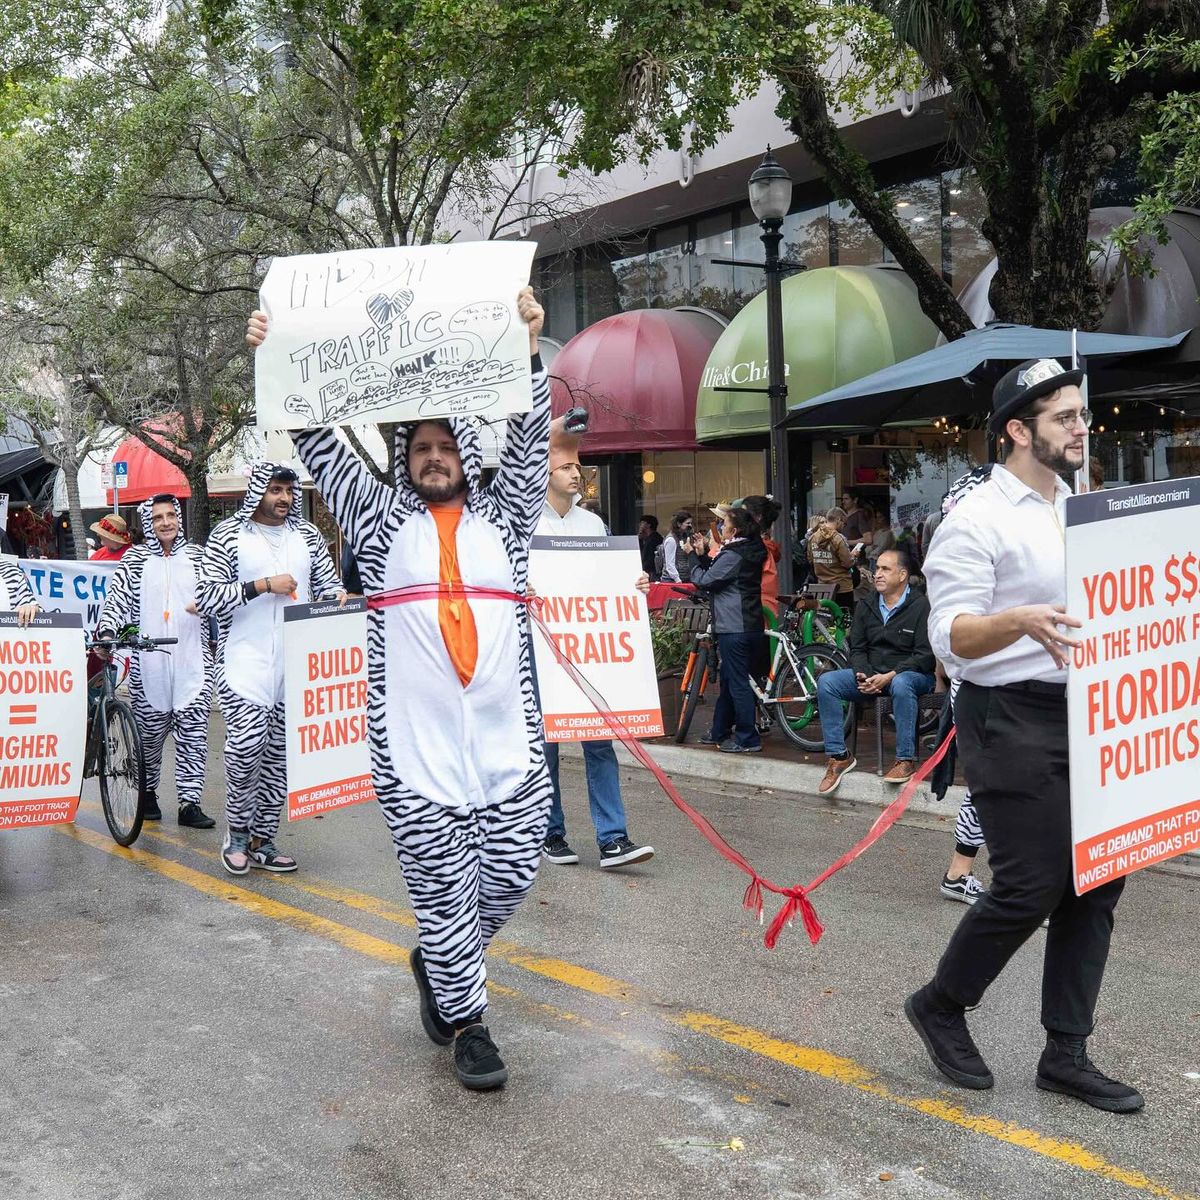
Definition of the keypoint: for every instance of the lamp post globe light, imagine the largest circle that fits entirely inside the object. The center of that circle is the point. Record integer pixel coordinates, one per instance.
(770, 198)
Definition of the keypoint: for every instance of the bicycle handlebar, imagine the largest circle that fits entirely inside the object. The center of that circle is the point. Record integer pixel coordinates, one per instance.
(130, 643)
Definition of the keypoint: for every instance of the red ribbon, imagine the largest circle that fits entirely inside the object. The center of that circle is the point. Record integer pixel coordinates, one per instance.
(796, 899)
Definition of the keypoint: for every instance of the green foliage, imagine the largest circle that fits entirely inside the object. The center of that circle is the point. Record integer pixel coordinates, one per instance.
(671, 643)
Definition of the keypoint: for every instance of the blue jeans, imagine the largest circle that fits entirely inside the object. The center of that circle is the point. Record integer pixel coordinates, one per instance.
(604, 792)
(734, 711)
(835, 687)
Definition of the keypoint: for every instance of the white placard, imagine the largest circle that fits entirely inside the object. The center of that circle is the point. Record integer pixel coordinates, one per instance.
(394, 334)
(43, 710)
(601, 624)
(325, 701)
(1133, 579)
(69, 587)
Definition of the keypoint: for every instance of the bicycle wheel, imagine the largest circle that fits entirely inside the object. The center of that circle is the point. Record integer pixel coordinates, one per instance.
(696, 685)
(796, 696)
(122, 773)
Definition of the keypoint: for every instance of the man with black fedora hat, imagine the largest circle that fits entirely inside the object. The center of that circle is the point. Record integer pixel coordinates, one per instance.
(996, 574)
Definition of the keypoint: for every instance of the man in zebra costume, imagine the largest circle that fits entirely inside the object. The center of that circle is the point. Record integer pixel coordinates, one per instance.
(256, 563)
(15, 593)
(154, 588)
(455, 730)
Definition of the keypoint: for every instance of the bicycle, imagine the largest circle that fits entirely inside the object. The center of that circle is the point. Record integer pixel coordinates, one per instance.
(789, 696)
(113, 746)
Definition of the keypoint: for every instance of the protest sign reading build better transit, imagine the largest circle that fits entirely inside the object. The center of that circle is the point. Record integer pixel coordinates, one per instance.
(325, 698)
(600, 623)
(394, 334)
(43, 699)
(1133, 578)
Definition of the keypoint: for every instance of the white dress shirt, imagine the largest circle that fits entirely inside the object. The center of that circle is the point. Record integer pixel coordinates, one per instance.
(1001, 547)
(578, 522)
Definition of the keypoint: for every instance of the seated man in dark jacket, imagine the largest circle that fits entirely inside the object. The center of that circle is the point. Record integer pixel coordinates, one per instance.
(890, 655)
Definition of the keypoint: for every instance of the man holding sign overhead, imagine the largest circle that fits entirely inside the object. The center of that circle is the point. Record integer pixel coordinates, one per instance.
(454, 725)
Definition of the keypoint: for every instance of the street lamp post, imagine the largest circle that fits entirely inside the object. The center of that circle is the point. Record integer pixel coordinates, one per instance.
(770, 199)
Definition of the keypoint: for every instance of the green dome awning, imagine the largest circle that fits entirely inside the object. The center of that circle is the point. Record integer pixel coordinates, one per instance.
(839, 324)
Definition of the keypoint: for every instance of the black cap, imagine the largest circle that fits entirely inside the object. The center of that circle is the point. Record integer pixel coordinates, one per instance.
(1024, 384)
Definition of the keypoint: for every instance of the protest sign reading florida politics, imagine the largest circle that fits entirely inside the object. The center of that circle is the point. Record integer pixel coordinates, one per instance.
(69, 587)
(43, 699)
(394, 334)
(601, 625)
(1133, 578)
(325, 698)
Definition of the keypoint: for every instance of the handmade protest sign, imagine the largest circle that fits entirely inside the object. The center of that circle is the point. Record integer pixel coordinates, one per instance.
(585, 587)
(325, 699)
(43, 708)
(69, 587)
(394, 334)
(1133, 692)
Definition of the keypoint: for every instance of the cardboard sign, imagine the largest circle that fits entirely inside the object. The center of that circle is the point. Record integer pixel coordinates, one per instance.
(394, 334)
(601, 624)
(69, 587)
(1133, 579)
(43, 707)
(325, 699)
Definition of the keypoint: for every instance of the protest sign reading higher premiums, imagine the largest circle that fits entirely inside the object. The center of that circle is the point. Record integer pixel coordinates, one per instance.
(394, 334)
(1134, 685)
(69, 587)
(43, 699)
(325, 699)
(601, 625)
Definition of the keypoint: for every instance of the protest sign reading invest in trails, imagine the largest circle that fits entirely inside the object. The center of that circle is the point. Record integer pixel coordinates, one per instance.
(601, 625)
(1133, 578)
(393, 334)
(325, 698)
(43, 698)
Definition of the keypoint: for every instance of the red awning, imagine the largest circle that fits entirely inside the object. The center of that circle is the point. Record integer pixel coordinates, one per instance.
(637, 374)
(149, 473)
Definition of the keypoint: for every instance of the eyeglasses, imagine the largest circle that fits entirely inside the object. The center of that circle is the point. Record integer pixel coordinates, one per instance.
(1066, 420)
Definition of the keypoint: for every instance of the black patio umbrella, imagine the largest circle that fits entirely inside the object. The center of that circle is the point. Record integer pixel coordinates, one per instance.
(958, 378)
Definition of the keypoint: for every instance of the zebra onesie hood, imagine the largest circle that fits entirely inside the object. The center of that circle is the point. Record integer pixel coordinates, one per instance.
(458, 770)
(171, 689)
(249, 670)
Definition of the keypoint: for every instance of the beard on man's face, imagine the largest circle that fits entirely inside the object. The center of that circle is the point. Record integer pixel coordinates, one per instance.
(1061, 461)
(436, 487)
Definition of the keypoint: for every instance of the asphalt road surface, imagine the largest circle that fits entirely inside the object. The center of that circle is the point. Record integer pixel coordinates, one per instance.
(171, 1032)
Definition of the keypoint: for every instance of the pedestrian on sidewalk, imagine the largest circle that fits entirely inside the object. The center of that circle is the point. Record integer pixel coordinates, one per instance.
(171, 689)
(996, 575)
(256, 563)
(563, 515)
(834, 560)
(733, 578)
(455, 732)
(889, 656)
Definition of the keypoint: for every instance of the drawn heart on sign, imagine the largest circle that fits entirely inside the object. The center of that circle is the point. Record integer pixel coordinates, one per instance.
(383, 310)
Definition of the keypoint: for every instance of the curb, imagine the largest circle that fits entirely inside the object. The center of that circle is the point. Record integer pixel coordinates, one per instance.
(704, 766)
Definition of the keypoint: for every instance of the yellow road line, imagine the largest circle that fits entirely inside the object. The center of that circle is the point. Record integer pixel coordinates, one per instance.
(807, 1059)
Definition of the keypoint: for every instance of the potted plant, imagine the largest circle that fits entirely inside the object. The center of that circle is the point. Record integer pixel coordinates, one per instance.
(671, 641)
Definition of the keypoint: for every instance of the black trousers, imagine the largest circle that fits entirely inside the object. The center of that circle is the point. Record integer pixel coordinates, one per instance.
(1013, 745)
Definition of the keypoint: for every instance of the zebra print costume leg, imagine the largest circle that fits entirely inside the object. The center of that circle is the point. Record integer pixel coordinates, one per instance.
(190, 729)
(968, 833)
(255, 764)
(466, 875)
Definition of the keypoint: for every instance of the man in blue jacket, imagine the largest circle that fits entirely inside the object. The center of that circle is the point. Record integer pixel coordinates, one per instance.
(890, 655)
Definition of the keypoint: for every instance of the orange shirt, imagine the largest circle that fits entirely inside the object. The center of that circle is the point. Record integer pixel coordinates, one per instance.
(455, 618)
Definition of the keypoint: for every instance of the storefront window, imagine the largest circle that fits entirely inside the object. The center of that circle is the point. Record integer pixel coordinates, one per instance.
(599, 286)
(919, 210)
(964, 211)
(675, 480)
(631, 271)
(806, 237)
(558, 296)
(713, 286)
(851, 242)
(669, 268)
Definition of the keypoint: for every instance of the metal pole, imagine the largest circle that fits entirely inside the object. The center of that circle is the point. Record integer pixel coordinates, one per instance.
(781, 484)
(1083, 477)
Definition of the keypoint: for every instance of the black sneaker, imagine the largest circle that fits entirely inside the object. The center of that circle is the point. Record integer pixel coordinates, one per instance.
(439, 1031)
(1065, 1068)
(194, 817)
(944, 1031)
(707, 739)
(556, 850)
(621, 852)
(732, 746)
(150, 809)
(477, 1062)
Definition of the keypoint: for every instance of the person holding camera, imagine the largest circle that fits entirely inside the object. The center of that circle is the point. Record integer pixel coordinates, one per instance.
(733, 576)
(890, 656)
